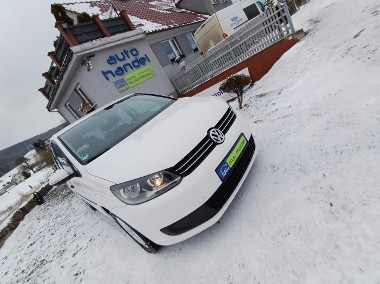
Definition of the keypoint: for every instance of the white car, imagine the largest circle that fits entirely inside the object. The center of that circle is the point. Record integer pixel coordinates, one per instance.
(164, 169)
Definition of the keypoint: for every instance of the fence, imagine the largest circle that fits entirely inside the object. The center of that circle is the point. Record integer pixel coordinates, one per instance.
(259, 33)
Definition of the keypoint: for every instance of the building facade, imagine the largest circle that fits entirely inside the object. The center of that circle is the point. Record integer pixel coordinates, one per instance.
(116, 66)
(136, 51)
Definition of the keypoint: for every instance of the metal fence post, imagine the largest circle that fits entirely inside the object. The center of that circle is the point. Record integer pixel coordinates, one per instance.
(289, 18)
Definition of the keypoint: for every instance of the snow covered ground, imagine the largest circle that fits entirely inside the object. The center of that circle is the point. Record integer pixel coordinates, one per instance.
(309, 210)
(35, 181)
(16, 196)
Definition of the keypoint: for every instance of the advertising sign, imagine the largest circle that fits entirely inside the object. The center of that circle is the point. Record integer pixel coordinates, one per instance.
(134, 78)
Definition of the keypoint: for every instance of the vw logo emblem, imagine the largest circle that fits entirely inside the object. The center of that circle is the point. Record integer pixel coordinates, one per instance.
(216, 135)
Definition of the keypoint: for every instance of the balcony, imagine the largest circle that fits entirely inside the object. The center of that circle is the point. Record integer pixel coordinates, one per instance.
(75, 35)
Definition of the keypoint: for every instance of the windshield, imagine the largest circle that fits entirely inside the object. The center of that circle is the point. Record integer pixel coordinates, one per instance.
(103, 130)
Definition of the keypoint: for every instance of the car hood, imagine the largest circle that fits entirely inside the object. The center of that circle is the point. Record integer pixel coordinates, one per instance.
(160, 143)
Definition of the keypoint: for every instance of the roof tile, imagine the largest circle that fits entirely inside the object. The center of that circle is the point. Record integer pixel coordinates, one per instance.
(150, 15)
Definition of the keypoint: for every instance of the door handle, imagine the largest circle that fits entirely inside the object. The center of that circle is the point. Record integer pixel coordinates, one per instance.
(72, 186)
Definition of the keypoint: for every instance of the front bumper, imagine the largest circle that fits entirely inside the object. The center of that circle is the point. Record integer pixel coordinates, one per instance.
(199, 201)
(216, 202)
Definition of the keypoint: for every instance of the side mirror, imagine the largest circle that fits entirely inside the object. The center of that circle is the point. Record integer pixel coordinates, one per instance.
(59, 177)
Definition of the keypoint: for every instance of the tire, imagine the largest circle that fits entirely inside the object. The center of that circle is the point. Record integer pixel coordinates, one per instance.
(140, 239)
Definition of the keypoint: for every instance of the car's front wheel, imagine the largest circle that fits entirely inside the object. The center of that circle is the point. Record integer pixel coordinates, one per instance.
(143, 241)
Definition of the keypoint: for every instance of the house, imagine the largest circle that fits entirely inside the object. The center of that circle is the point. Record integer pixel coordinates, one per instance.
(17, 179)
(169, 24)
(92, 61)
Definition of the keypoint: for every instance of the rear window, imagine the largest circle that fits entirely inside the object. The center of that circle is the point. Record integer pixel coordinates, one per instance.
(251, 11)
(95, 135)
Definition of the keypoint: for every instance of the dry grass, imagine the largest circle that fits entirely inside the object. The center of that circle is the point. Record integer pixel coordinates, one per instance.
(15, 206)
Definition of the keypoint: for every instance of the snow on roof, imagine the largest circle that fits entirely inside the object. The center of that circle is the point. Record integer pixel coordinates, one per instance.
(111, 13)
(149, 15)
(146, 25)
(80, 7)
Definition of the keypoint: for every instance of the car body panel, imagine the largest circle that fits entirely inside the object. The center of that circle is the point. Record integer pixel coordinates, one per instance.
(160, 144)
(180, 201)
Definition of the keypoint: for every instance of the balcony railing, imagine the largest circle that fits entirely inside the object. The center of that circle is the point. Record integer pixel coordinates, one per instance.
(259, 33)
(81, 33)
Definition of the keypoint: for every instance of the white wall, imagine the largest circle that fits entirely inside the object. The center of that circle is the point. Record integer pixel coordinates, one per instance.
(95, 84)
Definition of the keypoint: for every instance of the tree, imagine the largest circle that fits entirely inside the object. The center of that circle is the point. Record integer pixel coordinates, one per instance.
(26, 174)
(59, 13)
(39, 145)
(269, 4)
(290, 3)
(44, 158)
(24, 162)
(235, 84)
(292, 6)
(83, 18)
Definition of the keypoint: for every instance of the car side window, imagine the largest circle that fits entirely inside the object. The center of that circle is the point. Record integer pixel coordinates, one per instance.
(60, 159)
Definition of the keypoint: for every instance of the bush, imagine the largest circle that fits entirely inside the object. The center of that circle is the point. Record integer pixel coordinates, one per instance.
(83, 18)
(44, 159)
(39, 145)
(235, 84)
(24, 164)
(26, 174)
(59, 13)
(292, 6)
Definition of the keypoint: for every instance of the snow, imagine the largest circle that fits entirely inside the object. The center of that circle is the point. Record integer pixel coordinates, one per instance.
(8, 177)
(161, 11)
(87, 7)
(162, 6)
(308, 211)
(84, 7)
(146, 25)
(11, 197)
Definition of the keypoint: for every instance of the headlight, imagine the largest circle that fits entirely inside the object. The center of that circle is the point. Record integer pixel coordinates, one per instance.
(146, 188)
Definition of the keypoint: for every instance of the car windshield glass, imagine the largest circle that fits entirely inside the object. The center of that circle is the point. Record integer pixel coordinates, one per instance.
(95, 135)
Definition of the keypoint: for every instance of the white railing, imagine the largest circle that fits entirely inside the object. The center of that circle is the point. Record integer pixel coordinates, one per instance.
(259, 33)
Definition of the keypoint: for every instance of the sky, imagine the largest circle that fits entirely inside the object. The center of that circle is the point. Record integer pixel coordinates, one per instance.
(27, 30)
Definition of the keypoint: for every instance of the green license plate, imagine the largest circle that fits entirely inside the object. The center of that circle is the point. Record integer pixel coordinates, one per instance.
(230, 160)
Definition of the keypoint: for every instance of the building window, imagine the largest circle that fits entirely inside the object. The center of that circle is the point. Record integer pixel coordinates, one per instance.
(79, 103)
(214, 2)
(172, 50)
(251, 11)
(223, 1)
(191, 40)
(72, 110)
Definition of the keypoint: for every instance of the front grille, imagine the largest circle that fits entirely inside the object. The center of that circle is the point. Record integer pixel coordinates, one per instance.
(196, 156)
(218, 199)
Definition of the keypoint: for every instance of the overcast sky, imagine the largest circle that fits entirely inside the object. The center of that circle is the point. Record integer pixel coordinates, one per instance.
(27, 34)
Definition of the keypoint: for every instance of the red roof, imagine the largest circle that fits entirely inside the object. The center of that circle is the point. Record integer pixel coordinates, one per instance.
(161, 14)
